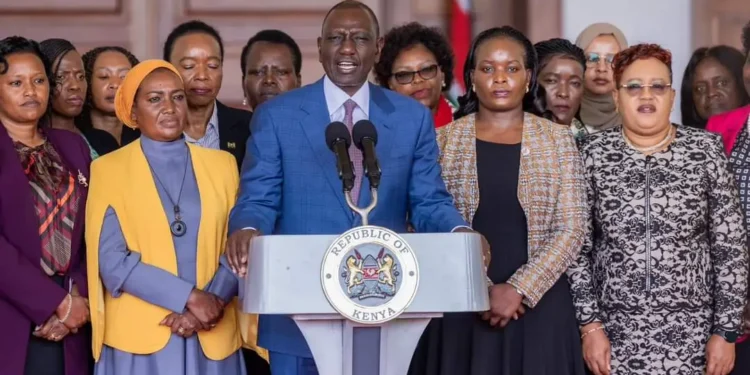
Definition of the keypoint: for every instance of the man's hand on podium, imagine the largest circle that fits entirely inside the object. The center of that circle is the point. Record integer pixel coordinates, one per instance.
(238, 245)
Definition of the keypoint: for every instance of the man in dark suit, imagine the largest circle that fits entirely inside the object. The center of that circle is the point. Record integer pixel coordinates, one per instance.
(197, 51)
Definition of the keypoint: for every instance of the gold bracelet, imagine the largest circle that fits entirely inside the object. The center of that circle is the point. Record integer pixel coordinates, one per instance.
(70, 309)
(592, 331)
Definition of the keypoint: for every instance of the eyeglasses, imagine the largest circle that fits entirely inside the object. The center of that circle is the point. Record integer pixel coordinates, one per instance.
(593, 59)
(635, 89)
(428, 72)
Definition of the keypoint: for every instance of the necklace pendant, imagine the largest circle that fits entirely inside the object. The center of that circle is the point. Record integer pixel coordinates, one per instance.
(178, 228)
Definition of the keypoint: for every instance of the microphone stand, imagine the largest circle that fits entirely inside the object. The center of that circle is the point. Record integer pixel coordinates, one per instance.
(364, 213)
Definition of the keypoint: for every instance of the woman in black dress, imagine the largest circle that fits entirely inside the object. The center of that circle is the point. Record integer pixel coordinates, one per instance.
(518, 179)
(105, 69)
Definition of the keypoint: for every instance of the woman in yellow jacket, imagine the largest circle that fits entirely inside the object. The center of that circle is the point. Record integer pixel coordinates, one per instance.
(156, 225)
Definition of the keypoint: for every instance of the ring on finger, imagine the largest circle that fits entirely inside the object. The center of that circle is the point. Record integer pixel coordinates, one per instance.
(181, 331)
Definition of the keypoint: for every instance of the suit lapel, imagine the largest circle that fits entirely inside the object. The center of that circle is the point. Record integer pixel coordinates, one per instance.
(17, 199)
(314, 123)
(525, 169)
(380, 115)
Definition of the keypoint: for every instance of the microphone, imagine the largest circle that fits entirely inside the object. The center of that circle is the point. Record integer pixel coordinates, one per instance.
(339, 140)
(366, 138)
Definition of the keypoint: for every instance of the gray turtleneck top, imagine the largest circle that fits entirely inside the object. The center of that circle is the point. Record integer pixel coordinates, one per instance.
(122, 272)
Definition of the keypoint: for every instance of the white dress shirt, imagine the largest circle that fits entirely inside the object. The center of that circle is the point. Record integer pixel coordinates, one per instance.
(336, 97)
(210, 138)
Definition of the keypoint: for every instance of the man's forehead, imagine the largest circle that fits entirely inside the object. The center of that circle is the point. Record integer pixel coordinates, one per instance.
(350, 17)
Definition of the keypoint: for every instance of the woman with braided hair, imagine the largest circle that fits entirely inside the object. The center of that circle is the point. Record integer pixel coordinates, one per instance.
(562, 65)
(105, 69)
(69, 94)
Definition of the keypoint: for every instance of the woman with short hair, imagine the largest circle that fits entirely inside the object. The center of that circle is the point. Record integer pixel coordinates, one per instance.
(661, 281)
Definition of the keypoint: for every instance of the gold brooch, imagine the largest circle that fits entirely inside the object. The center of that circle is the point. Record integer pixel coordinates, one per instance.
(231, 145)
(82, 179)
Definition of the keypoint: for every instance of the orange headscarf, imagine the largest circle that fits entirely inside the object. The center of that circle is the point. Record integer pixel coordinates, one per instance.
(125, 95)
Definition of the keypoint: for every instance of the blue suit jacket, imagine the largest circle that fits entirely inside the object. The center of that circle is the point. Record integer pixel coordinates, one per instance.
(289, 182)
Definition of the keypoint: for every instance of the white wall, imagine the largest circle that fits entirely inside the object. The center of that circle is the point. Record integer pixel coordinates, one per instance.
(665, 22)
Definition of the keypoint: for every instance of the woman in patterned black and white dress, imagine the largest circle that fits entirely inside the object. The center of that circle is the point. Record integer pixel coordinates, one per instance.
(660, 283)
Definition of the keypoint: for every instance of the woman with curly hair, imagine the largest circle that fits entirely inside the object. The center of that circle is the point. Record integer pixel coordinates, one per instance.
(661, 281)
(105, 69)
(712, 85)
(417, 61)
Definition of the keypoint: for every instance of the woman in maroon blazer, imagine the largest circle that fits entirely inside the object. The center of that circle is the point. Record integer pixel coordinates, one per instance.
(43, 174)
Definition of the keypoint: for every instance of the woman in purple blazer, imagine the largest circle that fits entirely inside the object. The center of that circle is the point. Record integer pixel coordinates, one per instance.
(43, 174)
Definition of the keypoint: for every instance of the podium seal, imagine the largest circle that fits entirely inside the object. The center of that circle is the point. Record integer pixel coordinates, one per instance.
(370, 275)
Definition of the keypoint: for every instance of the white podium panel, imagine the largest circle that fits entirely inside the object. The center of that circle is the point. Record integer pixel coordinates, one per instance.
(284, 277)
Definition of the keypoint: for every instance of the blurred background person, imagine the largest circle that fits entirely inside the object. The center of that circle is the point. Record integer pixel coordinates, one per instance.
(417, 61)
(69, 90)
(562, 65)
(105, 68)
(712, 85)
(734, 127)
(271, 64)
(169, 304)
(491, 158)
(661, 281)
(600, 42)
(197, 51)
(44, 174)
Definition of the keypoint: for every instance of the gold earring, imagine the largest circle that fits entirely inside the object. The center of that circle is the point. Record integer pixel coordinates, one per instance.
(473, 87)
(527, 89)
(444, 84)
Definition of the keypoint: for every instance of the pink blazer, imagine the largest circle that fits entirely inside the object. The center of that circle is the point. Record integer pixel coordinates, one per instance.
(729, 125)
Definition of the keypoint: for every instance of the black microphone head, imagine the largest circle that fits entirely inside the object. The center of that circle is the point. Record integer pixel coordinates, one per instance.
(364, 129)
(335, 131)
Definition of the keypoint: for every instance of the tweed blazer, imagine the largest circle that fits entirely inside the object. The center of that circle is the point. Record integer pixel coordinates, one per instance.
(551, 191)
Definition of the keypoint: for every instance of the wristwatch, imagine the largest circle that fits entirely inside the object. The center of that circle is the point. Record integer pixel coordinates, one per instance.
(728, 336)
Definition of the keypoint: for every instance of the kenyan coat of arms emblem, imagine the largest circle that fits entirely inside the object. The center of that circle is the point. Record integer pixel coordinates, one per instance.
(370, 275)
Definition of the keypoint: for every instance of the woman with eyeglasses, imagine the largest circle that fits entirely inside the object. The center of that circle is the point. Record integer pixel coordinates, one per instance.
(661, 280)
(417, 61)
(600, 42)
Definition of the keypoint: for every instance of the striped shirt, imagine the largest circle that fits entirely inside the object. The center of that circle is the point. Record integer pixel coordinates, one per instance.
(210, 139)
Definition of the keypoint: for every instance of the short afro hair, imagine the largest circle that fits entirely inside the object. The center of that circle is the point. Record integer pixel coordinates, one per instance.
(191, 27)
(275, 37)
(404, 37)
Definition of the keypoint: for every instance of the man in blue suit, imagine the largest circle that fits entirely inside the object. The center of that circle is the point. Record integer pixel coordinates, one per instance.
(289, 182)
